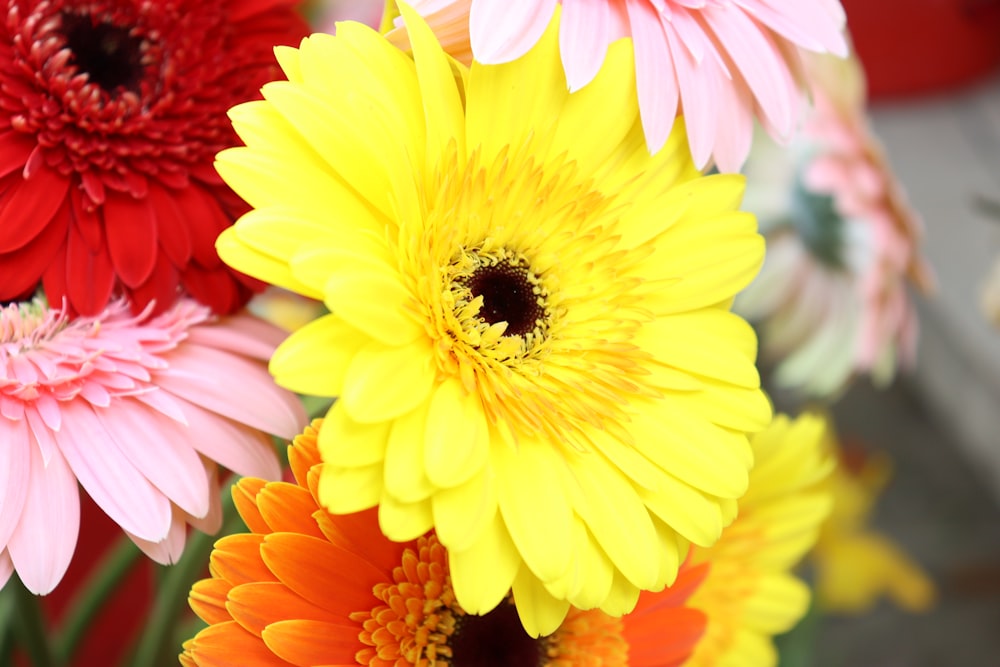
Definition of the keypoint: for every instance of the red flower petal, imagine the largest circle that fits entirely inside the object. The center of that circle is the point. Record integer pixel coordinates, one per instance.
(130, 225)
(172, 227)
(28, 206)
(92, 278)
(14, 151)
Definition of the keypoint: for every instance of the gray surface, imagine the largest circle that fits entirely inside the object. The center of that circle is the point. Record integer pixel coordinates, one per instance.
(946, 151)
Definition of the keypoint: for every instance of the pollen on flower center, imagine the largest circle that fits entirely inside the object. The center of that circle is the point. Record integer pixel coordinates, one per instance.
(500, 303)
(23, 325)
(511, 293)
(111, 56)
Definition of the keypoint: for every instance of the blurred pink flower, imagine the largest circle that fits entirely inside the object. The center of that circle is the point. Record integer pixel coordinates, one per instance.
(139, 411)
(720, 63)
(833, 294)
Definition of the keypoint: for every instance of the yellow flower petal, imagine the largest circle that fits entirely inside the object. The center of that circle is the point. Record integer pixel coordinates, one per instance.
(617, 518)
(374, 301)
(457, 436)
(540, 613)
(483, 574)
(511, 103)
(352, 443)
(462, 512)
(534, 505)
(322, 376)
(240, 257)
(443, 112)
(405, 478)
(588, 581)
(622, 598)
(712, 459)
(384, 382)
(346, 490)
(590, 129)
(402, 521)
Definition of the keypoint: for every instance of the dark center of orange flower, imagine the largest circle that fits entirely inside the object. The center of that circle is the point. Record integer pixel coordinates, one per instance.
(111, 56)
(510, 294)
(496, 639)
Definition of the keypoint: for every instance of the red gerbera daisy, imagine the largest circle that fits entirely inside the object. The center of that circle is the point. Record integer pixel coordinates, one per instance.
(111, 113)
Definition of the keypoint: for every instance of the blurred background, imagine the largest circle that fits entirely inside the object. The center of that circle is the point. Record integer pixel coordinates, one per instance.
(933, 69)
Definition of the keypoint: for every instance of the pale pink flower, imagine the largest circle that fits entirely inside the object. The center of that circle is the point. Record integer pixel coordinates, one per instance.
(843, 246)
(720, 63)
(140, 412)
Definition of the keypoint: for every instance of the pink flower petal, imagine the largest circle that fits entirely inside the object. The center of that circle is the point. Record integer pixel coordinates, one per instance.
(42, 434)
(584, 35)
(504, 30)
(163, 454)
(654, 72)
(107, 475)
(243, 334)
(760, 62)
(43, 543)
(245, 451)
(168, 550)
(802, 23)
(699, 84)
(211, 522)
(734, 133)
(15, 474)
(237, 388)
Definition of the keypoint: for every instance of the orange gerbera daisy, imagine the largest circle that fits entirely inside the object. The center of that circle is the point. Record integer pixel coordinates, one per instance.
(306, 587)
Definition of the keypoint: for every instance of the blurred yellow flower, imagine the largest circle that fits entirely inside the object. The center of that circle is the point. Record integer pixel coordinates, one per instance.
(855, 565)
(750, 594)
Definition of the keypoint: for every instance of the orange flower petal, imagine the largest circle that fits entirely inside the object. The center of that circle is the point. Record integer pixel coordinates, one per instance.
(237, 559)
(304, 454)
(649, 645)
(226, 644)
(314, 642)
(245, 496)
(359, 533)
(255, 606)
(288, 508)
(323, 573)
(208, 600)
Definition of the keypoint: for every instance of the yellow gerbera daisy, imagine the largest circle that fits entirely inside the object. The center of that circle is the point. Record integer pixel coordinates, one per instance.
(855, 564)
(530, 340)
(750, 594)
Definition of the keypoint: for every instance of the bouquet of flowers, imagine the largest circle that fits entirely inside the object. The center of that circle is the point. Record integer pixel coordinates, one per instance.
(414, 343)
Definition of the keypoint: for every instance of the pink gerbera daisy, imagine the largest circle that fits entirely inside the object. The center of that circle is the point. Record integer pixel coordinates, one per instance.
(137, 410)
(833, 297)
(720, 63)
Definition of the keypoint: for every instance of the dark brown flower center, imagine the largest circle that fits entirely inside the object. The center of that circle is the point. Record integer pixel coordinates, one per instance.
(510, 294)
(496, 639)
(110, 55)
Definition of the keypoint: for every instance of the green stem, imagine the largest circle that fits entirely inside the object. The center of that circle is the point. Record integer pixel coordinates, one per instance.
(155, 646)
(87, 602)
(27, 624)
(8, 607)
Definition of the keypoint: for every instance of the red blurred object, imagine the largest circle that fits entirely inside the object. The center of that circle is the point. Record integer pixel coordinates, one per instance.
(915, 47)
